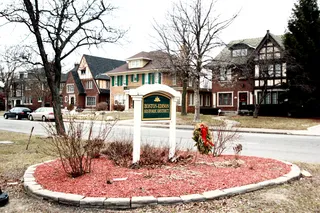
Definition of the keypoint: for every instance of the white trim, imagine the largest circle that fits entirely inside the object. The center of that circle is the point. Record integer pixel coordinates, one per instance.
(67, 88)
(214, 100)
(87, 101)
(218, 104)
(238, 105)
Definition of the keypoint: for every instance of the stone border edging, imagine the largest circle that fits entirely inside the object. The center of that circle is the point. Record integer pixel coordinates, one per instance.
(36, 190)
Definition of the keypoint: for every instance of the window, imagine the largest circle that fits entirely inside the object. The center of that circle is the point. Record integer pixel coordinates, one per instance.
(119, 99)
(135, 64)
(89, 84)
(278, 70)
(191, 99)
(174, 79)
(40, 99)
(146, 79)
(135, 78)
(270, 70)
(225, 74)
(61, 86)
(91, 101)
(119, 80)
(83, 71)
(70, 88)
(28, 100)
(201, 100)
(273, 97)
(207, 100)
(190, 83)
(66, 99)
(225, 99)
(239, 52)
(151, 78)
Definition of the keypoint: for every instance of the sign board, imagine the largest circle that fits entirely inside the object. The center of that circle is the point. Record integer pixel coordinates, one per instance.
(156, 106)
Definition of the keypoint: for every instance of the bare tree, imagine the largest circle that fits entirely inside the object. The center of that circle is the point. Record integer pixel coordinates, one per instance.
(11, 64)
(59, 28)
(191, 33)
(37, 84)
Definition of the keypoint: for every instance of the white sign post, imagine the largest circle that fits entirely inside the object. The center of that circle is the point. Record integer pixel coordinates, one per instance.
(137, 96)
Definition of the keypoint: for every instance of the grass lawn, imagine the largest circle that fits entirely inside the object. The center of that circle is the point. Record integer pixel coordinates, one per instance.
(275, 122)
(188, 119)
(298, 196)
(90, 116)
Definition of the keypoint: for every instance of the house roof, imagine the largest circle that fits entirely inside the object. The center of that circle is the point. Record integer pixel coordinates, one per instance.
(77, 81)
(99, 65)
(155, 60)
(225, 55)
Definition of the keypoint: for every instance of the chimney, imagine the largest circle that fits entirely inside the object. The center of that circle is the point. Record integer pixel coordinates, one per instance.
(76, 64)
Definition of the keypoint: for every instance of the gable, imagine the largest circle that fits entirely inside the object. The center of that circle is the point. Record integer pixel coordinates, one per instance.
(84, 71)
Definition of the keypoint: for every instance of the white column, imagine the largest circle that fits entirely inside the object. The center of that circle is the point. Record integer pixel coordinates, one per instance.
(136, 128)
(126, 102)
(214, 100)
(250, 98)
(172, 136)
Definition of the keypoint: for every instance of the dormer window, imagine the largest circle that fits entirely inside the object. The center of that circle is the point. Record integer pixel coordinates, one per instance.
(239, 53)
(135, 64)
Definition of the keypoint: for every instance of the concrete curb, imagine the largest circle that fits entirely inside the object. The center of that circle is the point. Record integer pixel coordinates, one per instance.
(277, 132)
(37, 191)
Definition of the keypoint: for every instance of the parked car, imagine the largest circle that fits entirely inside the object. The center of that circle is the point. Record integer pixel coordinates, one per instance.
(42, 114)
(17, 113)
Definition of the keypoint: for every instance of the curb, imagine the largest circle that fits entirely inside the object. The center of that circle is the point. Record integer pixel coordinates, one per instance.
(237, 130)
(37, 191)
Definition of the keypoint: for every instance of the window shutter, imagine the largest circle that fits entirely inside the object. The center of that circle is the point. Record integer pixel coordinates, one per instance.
(152, 78)
(127, 80)
(149, 78)
(112, 80)
(121, 80)
(132, 76)
(142, 78)
(137, 78)
(159, 79)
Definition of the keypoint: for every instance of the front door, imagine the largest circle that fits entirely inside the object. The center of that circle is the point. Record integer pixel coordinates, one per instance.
(243, 99)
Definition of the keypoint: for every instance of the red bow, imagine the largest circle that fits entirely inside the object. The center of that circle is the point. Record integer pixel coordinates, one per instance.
(204, 132)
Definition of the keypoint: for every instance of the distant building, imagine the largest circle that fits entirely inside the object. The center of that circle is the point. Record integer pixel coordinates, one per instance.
(244, 68)
(86, 85)
(149, 68)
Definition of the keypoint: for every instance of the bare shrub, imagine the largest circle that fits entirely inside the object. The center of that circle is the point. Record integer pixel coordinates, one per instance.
(237, 150)
(153, 156)
(102, 106)
(74, 151)
(70, 107)
(226, 136)
(120, 152)
(118, 107)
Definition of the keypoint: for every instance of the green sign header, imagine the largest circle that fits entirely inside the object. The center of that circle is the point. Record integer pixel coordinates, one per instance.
(156, 106)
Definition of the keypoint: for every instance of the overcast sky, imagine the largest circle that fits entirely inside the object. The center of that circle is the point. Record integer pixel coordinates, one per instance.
(255, 18)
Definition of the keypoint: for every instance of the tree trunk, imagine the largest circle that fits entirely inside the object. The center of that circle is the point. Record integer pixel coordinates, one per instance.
(57, 113)
(184, 98)
(196, 101)
(7, 102)
(256, 111)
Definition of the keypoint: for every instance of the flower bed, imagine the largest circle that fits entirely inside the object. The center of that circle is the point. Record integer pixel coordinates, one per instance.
(206, 174)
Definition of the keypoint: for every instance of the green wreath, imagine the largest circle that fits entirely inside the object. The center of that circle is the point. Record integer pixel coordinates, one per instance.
(203, 138)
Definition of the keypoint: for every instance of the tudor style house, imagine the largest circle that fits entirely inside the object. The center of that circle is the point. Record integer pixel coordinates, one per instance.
(86, 84)
(148, 68)
(249, 71)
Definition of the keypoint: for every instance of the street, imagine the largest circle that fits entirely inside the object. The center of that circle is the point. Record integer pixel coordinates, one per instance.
(283, 147)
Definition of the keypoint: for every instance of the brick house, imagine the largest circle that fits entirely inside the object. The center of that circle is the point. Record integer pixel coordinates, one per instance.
(147, 68)
(86, 84)
(246, 68)
(30, 89)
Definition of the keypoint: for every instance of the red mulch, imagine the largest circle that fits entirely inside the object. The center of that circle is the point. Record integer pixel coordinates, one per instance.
(172, 180)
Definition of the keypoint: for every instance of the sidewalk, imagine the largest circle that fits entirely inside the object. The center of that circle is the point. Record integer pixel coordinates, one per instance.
(312, 131)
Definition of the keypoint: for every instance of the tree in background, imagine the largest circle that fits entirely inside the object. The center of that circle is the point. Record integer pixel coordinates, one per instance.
(11, 64)
(189, 36)
(302, 44)
(59, 27)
